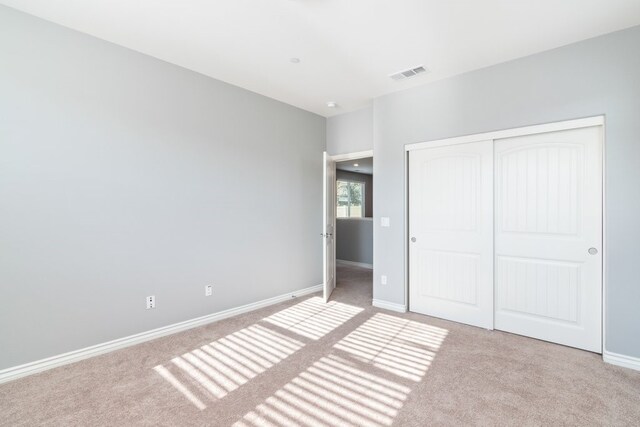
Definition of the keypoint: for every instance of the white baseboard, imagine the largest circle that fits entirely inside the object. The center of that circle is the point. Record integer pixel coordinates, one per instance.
(622, 360)
(354, 264)
(16, 372)
(400, 308)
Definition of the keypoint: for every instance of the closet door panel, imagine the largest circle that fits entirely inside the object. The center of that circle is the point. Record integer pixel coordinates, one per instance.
(451, 232)
(548, 241)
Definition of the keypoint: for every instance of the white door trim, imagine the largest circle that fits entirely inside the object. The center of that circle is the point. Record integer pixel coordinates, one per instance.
(507, 133)
(355, 156)
(352, 156)
(329, 225)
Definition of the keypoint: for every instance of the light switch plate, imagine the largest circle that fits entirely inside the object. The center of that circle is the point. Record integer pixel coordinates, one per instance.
(383, 280)
(385, 221)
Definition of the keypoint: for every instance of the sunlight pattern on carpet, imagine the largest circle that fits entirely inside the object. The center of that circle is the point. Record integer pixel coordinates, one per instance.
(332, 392)
(313, 318)
(222, 366)
(363, 381)
(214, 370)
(400, 346)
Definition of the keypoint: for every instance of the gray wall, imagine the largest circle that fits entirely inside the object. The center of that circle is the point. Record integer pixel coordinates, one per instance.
(116, 182)
(354, 240)
(368, 188)
(597, 76)
(350, 132)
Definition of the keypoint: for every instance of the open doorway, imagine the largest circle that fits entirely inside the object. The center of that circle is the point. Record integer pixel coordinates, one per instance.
(354, 223)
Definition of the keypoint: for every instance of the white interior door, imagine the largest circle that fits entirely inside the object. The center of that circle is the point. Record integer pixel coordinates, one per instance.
(451, 232)
(548, 241)
(329, 225)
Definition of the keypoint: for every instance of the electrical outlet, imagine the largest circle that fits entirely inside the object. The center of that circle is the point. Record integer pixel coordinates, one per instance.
(151, 302)
(208, 291)
(383, 280)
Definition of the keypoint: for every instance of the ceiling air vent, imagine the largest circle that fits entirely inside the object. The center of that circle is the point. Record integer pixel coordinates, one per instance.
(408, 73)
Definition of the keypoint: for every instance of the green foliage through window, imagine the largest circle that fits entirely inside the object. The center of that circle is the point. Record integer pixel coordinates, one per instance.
(350, 199)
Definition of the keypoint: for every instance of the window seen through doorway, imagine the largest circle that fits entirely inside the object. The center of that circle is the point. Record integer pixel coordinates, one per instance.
(350, 199)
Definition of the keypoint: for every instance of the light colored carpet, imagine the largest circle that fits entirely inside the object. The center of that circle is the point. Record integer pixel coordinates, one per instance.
(304, 363)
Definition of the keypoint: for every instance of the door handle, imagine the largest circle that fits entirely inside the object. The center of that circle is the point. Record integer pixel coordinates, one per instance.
(593, 251)
(413, 240)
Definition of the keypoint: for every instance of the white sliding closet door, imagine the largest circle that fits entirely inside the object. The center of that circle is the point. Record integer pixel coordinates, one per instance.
(548, 239)
(451, 231)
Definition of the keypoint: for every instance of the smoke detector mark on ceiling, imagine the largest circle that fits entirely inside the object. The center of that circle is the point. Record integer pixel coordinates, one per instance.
(411, 72)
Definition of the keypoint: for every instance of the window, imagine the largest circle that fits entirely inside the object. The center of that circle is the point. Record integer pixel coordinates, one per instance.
(350, 199)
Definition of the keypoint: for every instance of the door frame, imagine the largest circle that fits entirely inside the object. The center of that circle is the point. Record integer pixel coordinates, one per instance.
(352, 156)
(509, 133)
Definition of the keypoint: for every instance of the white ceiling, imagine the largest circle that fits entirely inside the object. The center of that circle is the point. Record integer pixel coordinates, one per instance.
(347, 48)
(364, 165)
